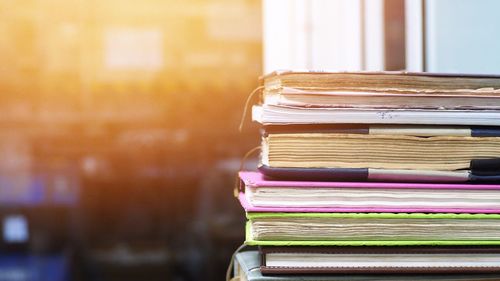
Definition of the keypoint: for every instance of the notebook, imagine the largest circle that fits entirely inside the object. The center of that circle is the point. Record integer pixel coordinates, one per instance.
(383, 98)
(381, 152)
(380, 260)
(247, 268)
(378, 79)
(371, 229)
(267, 114)
(381, 90)
(258, 194)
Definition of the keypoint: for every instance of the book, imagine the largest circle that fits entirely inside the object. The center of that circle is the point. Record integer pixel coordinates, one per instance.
(372, 229)
(247, 267)
(383, 98)
(381, 90)
(268, 114)
(378, 79)
(386, 150)
(258, 194)
(380, 260)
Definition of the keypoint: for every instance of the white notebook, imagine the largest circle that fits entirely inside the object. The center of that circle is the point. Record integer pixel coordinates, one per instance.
(275, 115)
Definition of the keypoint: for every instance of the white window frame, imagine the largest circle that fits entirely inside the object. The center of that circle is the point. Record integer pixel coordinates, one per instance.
(337, 35)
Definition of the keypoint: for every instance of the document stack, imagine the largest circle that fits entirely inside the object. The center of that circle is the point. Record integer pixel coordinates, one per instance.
(374, 176)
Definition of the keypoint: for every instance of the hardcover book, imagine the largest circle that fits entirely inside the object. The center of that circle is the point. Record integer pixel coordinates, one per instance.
(380, 260)
(258, 194)
(381, 90)
(247, 268)
(378, 152)
(372, 229)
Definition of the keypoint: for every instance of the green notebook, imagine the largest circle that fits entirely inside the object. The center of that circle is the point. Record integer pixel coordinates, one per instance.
(371, 229)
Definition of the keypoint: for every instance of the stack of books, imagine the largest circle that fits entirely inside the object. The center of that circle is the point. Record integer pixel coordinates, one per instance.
(374, 176)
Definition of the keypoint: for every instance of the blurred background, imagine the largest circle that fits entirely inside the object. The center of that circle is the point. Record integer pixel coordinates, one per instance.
(118, 136)
(119, 140)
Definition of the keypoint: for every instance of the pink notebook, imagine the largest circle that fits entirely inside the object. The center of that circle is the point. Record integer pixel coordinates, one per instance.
(260, 195)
